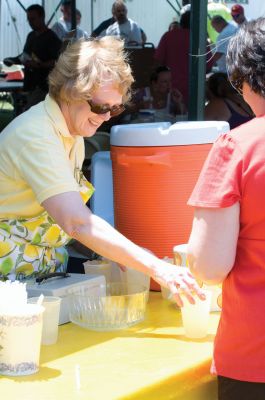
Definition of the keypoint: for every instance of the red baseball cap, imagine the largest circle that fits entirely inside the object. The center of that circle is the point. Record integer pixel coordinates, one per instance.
(237, 9)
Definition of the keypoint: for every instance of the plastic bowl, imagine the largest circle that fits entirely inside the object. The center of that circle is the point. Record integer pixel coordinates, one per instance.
(116, 306)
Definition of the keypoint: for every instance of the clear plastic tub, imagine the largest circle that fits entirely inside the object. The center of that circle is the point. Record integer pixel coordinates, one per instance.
(118, 306)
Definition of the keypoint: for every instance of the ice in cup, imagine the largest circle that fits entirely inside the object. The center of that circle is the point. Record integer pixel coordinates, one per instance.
(195, 317)
(51, 314)
(20, 340)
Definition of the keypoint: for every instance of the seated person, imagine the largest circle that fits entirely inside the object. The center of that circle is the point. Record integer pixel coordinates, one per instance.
(225, 103)
(159, 95)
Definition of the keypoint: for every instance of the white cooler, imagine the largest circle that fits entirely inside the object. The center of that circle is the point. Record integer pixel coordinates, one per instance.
(63, 287)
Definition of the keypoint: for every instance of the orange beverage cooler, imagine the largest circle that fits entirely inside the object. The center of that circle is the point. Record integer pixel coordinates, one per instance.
(155, 167)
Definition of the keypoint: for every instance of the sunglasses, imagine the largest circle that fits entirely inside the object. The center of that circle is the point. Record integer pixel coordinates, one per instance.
(236, 15)
(105, 108)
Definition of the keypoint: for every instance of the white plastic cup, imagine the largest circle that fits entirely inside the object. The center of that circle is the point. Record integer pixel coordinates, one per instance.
(195, 317)
(180, 255)
(99, 267)
(51, 314)
(216, 302)
(165, 292)
(134, 277)
(20, 340)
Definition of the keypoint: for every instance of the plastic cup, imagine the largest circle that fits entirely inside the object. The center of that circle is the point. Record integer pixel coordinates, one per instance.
(195, 317)
(216, 303)
(180, 255)
(51, 314)
(99, 267)
(134, 277)
(20, 340)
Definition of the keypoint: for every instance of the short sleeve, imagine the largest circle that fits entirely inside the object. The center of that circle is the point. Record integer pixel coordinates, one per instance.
(46, 169)
(219, 184)
(59, 30)
(135, 33)
(221, 46)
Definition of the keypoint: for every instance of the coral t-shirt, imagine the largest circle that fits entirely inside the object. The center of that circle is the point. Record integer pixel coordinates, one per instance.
(235, 172)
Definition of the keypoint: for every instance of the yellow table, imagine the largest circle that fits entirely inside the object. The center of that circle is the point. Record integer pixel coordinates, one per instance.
(152, 360)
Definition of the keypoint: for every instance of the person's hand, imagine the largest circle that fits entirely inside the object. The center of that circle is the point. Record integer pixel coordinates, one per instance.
(179, 281)
(176, 96)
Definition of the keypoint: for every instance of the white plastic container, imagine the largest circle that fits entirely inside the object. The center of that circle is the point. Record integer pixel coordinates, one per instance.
(62, 287)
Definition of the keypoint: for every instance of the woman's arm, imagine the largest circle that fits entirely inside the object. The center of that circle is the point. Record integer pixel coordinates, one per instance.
(213, 241)
(69, 212)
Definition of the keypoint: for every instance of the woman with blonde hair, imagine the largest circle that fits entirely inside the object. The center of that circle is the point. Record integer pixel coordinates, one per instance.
(42, 189)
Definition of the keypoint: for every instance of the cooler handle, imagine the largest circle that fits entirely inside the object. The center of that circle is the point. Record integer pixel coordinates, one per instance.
(155, 159)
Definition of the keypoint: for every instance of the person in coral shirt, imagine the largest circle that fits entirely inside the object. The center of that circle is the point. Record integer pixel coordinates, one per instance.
(227, 242)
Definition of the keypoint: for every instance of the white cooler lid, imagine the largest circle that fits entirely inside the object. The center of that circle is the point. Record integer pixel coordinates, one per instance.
(162, 134)
(61, 286)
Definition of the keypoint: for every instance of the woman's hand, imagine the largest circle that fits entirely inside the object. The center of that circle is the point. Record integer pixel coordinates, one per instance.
(176, 96)
(179, 281)
(177, 99)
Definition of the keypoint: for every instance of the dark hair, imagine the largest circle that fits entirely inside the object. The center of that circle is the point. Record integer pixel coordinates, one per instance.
(39, 9)
(185, 20)
(219, 85)
(218, 19)
(157, 71)
(173, 23)
(246, 56)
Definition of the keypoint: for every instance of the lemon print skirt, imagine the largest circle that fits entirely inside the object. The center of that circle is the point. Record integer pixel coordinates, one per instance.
(34, 246)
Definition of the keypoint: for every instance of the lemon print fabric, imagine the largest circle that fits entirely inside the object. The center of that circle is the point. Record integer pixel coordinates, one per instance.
(34, 246)
(29, 247)
(86, 189)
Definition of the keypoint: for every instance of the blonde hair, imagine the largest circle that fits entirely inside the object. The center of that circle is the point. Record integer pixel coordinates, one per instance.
(87, 64)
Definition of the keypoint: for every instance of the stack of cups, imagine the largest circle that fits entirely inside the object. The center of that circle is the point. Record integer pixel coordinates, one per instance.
(20, 330)
(20, 339)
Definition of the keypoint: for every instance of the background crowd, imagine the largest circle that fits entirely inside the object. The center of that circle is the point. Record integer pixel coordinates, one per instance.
(162, 82)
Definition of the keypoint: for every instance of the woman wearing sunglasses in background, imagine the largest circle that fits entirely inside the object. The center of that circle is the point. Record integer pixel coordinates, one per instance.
(227, 242)
(42, 189)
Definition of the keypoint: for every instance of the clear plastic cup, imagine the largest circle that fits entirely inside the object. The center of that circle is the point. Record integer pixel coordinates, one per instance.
(99, 267)
(51, 314)
(195, 317)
